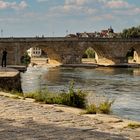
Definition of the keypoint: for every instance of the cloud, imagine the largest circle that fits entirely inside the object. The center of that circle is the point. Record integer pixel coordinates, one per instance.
(75, 2)
(74, 7)
(13, 5)
(129, 12)
(117, 4)
(98, 9)
(42, 0)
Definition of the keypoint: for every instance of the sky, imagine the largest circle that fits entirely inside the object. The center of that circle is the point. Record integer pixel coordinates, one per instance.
(30, 18)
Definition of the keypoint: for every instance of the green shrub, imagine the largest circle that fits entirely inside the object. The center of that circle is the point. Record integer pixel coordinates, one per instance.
(70, 98)
(105, 107)
(30, 95)
(91, 109)
(25, 59)
(53, 98)
(74, 98)
(40, 96)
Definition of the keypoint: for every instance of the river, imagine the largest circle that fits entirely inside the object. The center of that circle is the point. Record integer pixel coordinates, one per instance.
(119, 84)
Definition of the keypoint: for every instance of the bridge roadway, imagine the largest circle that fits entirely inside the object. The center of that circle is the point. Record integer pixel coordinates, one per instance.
(70, 50)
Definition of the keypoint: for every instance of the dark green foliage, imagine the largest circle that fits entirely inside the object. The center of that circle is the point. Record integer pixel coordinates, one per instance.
(90, 53)
(91, 109)
(72, 98)
(130, 53)
(133, 32)
(105, 107)
(25, 59)
(133, 125)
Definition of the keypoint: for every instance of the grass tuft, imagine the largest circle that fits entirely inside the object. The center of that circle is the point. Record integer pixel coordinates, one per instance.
(91, 109)
(134, 125)
(71, 98)
(105, 107)
(74, 98)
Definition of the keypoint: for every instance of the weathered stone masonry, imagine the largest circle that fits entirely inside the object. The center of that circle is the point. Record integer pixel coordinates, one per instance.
(71, 50)
(11, 83)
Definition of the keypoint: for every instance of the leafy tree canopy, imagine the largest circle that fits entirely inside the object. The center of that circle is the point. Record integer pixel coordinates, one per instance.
(133, 32)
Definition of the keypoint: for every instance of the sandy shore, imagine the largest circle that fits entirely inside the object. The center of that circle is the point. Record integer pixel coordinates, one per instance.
(26, 120)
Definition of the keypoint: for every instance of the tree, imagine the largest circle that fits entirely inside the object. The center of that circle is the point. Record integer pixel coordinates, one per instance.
(25, 59)
(90, 53)
(133, 32)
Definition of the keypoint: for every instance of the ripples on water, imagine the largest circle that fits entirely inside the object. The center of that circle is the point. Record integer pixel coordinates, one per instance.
(121, 84)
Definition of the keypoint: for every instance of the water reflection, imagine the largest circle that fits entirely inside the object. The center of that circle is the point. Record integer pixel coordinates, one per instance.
(121, 84)
(32, 79)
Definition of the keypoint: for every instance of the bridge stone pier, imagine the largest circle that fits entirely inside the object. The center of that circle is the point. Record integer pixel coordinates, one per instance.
(70, 50)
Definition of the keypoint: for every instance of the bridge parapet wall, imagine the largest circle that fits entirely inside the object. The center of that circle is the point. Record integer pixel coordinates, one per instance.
(63, 39)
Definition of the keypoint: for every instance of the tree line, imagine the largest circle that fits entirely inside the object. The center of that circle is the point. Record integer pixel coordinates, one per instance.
(133, 32)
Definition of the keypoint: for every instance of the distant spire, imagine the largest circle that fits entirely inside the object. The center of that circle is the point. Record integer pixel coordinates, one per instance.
(111, 30)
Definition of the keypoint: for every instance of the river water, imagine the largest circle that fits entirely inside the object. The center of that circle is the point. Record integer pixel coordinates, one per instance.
(119, 84)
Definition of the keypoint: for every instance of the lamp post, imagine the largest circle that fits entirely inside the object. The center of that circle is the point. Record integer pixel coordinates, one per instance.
(66, 32)
(1, 32)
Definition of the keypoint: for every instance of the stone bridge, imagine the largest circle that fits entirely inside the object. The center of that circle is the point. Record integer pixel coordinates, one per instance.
(70, 50)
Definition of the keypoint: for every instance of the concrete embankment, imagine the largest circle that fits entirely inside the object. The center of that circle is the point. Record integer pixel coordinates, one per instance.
(26, 120)
(10, 79)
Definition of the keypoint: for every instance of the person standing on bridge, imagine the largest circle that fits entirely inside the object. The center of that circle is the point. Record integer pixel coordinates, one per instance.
(4, 58)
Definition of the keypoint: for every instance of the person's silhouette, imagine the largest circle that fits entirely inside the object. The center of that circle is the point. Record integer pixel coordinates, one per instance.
(4, 55)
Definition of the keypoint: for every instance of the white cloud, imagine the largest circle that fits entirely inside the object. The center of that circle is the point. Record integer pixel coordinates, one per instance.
(74, 7)
(75, 2)
(103, 17)
(3, 4)
(22, 5)
(117, 4)
(129, 12)
(42, 0)
(13, 5)
(101, 9)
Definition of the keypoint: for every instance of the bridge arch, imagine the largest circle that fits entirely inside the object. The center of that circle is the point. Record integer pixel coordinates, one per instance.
(103, 52)
(90, 56)
(132, 56)
(41, 54)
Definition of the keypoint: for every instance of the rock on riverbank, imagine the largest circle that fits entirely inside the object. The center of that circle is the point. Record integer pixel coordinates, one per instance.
(26, 120)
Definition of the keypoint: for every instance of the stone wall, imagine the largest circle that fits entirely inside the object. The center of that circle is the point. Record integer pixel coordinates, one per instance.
(70, 50)
(11, 83)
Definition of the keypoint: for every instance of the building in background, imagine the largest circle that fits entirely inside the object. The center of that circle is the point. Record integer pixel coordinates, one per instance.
(106, 33)
(34, 52)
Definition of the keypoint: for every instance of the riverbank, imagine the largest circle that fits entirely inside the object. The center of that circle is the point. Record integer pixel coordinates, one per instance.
(94, 65)
(25, 119)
